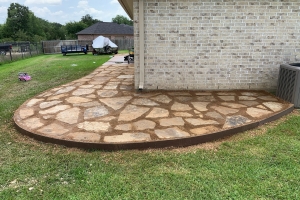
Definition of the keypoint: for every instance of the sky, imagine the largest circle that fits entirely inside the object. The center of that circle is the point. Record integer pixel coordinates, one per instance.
(64, 11)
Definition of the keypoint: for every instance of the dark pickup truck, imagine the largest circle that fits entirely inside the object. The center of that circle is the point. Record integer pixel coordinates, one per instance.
(4, 48)
(73, 49)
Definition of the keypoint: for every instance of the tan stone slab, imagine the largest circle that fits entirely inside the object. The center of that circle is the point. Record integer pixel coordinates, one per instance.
(180, 107)
(125, 76)
(175, 121)
(126, 87)
(237, 120)
(200, 106)
(247, 98)
(127, 137)
(250, 94)
(227, 98)
(53, 130)
(32, 102)
(143, 125)
(233, 105)
(113, 83)
(171, 133)
(274, 106)
(146, 94)
(124, 127)
(33, 123)
(226, 93)
(98, 86)
(77, 100)
(65, 90)
(87, 104)
(261, 107)
(184, 98)
(46, 94)
(182, 114)
(204, 130)
(144, 102)
(91, 96)
(158, 113)
(267, 98)
(107, 93)
(198, 122)
(26, 112)
(95, 126)
(162, 99)
(95, 112)
(206, 98)
(48, 104)
(86, 86)
(116, 102)
(57, 97)
(249, 103)
(257, 113)
(83, 137)
(49, 116)
(80, 92)
(224, 110)
(69, 116)
(132, 112)
(214, 115)
(110, 87)
(179, 93)
(107, 119)
(203, 93)
(54, 109)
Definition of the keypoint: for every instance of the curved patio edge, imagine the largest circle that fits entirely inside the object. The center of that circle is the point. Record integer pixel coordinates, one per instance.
(178, 142)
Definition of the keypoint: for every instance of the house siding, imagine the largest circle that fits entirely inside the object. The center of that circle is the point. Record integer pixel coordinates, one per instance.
(92, 37)
(216, 44)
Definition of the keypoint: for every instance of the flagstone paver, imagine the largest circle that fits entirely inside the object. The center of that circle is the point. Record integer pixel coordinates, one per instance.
(171, 133)
(175, 121)
(104, 107)
(132, 112)
(204, 130)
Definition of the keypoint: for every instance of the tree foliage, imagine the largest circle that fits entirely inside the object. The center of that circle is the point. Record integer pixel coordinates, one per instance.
(22, 25)
(119, 19)
(88, 20)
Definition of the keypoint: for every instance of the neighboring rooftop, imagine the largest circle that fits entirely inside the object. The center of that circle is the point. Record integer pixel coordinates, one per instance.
(107, 28)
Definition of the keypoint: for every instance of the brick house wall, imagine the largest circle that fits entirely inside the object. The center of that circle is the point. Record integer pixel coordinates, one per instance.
(92, 37)
(217, 44)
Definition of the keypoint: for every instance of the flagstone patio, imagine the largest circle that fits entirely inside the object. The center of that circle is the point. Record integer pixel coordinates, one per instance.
(103, 111)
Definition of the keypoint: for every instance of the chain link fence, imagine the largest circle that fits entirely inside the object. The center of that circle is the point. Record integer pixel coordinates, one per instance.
(21, 50)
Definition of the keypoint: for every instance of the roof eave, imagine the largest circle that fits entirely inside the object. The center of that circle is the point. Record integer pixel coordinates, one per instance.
(128, 7)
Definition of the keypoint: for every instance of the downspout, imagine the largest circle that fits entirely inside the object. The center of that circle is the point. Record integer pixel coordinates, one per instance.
(142, 44)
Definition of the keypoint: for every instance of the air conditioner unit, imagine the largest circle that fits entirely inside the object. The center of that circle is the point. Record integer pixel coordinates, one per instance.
(288, 86)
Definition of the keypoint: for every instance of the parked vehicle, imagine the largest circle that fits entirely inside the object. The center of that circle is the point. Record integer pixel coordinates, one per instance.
(74, 49)
(23, 76)
(103, 45)
(4, 48)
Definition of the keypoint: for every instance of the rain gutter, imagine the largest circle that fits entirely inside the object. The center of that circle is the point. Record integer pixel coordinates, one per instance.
(141, 45)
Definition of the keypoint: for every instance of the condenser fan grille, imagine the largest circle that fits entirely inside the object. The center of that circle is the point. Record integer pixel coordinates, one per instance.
(286, 84)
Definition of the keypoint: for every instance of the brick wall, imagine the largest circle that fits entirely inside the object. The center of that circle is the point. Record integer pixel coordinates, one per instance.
(217, 44)
(92, 37)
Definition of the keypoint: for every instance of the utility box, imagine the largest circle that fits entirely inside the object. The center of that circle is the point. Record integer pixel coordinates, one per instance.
(288, 86)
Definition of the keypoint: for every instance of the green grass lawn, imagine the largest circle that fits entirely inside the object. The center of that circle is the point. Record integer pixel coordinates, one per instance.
(259, 164)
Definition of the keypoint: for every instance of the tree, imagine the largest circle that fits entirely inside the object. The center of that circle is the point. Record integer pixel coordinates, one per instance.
(18, 19)
(119, 19)
(88, 20)
(74, 27)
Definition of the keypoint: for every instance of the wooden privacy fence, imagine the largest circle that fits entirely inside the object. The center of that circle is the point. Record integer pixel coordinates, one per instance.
(53, 46)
